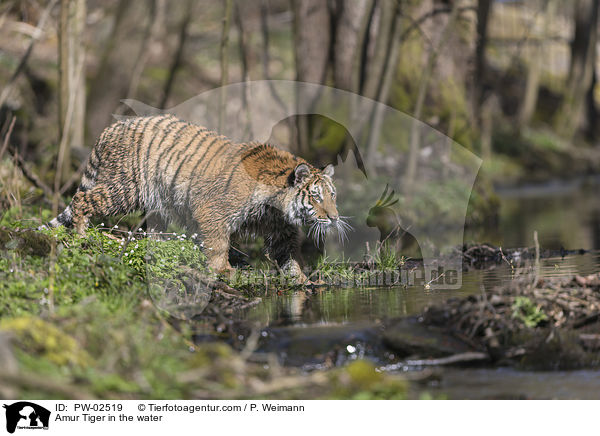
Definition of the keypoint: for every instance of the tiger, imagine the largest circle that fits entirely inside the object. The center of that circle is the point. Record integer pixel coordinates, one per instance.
(203, 181)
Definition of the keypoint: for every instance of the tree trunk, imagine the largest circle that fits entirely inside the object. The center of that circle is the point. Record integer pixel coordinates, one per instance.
(183, 34)
(483, 14)
(381, 25)
(583, 56)
(224, 60)
(312, 40)
(157, 16)
(391, 62)
(591, 113)
(415, 133)
(71, 101)
(347, 50)
(532, 85)
(244, 54)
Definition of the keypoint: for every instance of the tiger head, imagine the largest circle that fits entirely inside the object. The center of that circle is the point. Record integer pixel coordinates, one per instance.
(314, 201)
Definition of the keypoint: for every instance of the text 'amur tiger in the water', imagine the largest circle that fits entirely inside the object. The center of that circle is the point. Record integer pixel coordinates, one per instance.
(207, 183)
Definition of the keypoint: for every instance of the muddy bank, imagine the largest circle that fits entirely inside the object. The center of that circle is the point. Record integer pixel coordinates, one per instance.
(481, 256)
(537, 324)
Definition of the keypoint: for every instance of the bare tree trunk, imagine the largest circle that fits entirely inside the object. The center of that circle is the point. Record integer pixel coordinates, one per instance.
(352, 57)
(382, 28)
(183, 33)
(415, 133)
(532, 86)
(157, 15)
(391, 62)
(591, 112)
(265, 57)
(110, 81)
(489, 107)
(244, 60)
(583, 57)
(71, 82)
(349, 35)
(312, 40)
(483, 14)
(224, 59)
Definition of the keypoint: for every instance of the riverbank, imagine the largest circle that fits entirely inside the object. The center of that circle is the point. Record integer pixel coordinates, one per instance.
(80, 319)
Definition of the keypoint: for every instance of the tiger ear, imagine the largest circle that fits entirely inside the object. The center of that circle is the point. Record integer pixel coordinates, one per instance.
(301, 172)
(328, 170)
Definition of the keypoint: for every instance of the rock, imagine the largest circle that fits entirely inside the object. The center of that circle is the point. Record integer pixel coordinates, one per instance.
(408, 337)
(28, 242)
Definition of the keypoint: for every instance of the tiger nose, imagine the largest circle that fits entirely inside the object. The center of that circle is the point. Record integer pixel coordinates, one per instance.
(333, 217)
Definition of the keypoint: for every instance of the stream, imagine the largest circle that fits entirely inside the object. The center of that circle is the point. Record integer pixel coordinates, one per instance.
(330, 327)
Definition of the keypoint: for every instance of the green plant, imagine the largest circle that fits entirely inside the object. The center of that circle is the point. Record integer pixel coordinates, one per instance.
(525, 311)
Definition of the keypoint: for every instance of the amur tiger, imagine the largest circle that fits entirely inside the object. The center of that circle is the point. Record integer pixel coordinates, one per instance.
(207, 183)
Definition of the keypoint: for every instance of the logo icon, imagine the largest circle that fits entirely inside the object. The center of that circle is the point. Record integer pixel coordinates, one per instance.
(26, 415)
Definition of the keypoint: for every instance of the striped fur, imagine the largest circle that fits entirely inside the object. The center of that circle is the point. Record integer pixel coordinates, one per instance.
(207, 183)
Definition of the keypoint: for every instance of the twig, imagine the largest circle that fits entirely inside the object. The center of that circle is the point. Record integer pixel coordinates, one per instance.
(451, 360)
(7, 136)
(31, 176)
(537, 259)
(251, 344)
(74, 177)
(416, 23)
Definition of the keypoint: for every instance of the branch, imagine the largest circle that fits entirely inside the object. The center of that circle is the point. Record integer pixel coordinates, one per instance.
(31, 176)
(36, 35)
(416, 24)
(7, 136)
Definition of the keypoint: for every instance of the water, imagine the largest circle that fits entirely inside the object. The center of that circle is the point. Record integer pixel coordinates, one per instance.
(506, 383)
(335, 306)
(565, 215)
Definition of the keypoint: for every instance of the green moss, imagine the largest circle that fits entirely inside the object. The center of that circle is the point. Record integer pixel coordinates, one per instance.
(360, 380)
(39, 337)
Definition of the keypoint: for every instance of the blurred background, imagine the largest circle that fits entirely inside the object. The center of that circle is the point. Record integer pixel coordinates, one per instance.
(514, 82)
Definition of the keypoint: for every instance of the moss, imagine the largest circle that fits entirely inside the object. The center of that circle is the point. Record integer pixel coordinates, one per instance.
(35, 243)
(40, 337)
(26, 243)
(363, 374)
(360, 380)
